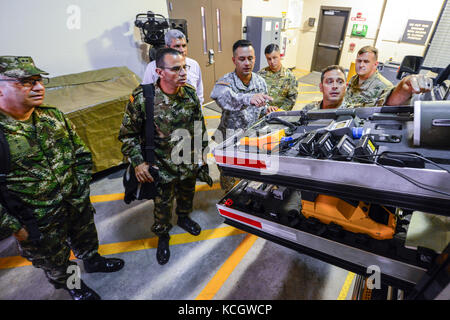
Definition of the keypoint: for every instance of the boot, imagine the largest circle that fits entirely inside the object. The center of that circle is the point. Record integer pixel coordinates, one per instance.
(163, 252)
(100, 264)
(84, 293)
(189, 225)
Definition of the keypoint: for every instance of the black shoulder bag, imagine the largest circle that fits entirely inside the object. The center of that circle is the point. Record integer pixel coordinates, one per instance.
(13, 205)
(133, 189)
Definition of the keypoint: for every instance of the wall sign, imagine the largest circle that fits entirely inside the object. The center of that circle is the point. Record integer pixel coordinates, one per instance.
(417, 31)
(358, 17)
(359, 30)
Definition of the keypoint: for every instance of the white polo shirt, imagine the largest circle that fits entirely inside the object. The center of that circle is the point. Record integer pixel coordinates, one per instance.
(194, 76)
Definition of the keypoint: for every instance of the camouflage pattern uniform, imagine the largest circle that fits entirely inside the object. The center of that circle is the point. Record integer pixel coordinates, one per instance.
(315, 105)
(368, 94)
(233, 97)
(50, 172)
(171, 112)
(282, 86)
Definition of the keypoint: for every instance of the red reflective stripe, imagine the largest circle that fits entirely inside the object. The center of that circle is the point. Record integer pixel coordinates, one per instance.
(242, 162)
(241, 218)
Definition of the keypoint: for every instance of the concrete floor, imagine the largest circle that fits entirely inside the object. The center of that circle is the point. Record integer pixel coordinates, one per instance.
(221, 263)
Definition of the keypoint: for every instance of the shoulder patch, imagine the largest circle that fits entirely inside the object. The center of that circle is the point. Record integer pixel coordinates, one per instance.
(138, 90)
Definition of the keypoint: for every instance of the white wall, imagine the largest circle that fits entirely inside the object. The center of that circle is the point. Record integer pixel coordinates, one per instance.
(371, 10)
(273, 8)
(390, 25)
(395, 18)
(261, 8)
(106, 37)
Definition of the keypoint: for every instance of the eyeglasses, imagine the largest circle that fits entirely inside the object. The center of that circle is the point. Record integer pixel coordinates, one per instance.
(29, 83)
(177, 69)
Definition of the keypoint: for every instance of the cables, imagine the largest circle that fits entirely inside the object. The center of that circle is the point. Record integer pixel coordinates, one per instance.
(417, 156)
(409, 179)
(414, 182)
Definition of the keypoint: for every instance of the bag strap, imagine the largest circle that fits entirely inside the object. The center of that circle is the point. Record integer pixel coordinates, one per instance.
(5, 157)
(13, 205)
(149, 128)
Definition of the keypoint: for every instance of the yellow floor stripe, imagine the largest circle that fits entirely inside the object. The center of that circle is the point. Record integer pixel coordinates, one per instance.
(107, 197)
(306, 92)
(120, 196)
(346, 286)
(226, 269)
(301, 70)
(212, 117)
(13, 262)
(205, 187)
(204, 235)
(136, 245)
(301, 84)
(300, 73)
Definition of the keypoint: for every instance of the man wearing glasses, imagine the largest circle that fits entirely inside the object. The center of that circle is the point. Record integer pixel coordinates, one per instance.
(50, 172)
(176, 39)
(176, 107)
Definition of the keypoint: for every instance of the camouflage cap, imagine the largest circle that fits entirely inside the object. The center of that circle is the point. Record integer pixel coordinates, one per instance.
(18, 67)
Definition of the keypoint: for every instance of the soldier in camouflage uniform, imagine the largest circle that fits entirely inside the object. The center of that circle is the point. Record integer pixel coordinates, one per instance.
(367, 85)
(281, 82)
(50, 173)
(242, 96)
(176, 106)
(332, 86)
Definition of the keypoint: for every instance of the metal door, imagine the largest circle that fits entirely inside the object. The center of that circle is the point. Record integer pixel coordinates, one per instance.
(213, 26)
(330, 37)
(227, 26)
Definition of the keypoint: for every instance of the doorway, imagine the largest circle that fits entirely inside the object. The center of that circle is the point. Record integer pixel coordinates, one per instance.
(330, 36)
(213, 26)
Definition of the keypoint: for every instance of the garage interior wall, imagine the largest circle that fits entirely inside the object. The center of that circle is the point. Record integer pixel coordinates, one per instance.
(385, 27)
(371, 10)
(71, 36)
(395, 19)
(275, 8)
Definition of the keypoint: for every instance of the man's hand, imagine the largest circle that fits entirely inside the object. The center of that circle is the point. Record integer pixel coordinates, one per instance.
(414, 83)
(142, 173)
(260, 99)
(21, 235)
(271, 109)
